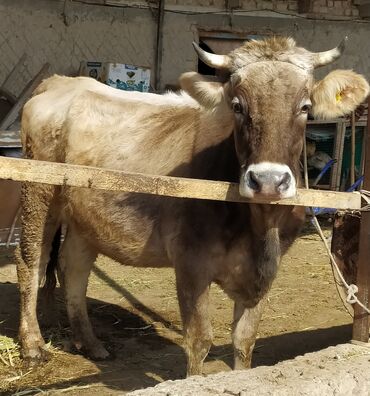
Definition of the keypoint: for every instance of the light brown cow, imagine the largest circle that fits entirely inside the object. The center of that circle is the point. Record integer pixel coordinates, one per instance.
(248, 129)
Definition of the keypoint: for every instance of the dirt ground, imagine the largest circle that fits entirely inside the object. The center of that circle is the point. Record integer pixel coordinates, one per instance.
(135, 313)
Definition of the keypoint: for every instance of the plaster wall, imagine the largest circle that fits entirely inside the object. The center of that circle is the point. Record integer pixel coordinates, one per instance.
(64, 33)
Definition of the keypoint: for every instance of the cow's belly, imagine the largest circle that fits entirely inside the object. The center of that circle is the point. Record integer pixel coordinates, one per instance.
(124, 227)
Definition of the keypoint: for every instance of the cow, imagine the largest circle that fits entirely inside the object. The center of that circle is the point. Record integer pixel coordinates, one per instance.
(248, 129)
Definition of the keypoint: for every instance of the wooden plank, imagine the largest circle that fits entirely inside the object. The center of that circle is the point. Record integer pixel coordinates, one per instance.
(113, 180)
(13, 144)
(325, 122)
(337, 154)
(361, 123)
(23, 97)
(4, 234)
(360, 331)
(335, 121)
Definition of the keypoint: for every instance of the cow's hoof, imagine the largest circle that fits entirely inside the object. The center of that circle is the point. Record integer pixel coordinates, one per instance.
(34, 357)
(107, 356)
(97, 352)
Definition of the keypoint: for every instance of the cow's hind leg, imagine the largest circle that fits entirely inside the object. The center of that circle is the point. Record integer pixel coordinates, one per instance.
(193, 295)
(76, 260)
(245, 327)
(40, 219)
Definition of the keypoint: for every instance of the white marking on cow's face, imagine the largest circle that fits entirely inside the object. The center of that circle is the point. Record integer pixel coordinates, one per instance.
(268, 180)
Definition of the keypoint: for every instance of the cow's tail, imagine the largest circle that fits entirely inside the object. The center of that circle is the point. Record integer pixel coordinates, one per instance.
(51, 268)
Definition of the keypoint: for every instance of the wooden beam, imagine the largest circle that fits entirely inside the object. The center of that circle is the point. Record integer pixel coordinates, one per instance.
(113, 180)
(360, 331)
(159, 45)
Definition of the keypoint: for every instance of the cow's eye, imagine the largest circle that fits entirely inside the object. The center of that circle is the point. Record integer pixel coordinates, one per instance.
(306, 108)
(237, 107)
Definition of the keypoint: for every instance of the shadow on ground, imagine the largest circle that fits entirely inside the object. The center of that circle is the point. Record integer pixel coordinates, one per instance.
(143, 356)
(271, 350)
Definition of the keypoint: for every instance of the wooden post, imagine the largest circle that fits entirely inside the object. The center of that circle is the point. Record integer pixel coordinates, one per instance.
(360, 330)
(353, 147)
(335, 178)
(159, 46)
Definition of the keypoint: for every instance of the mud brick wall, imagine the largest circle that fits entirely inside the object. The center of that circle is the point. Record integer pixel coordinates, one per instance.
(65, 32)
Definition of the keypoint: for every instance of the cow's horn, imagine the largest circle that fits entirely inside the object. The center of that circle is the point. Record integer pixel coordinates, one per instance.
(212, 60)
(326, 57)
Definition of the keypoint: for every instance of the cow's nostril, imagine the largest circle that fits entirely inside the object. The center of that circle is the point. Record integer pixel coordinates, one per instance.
(284, 182)
(253, 181)
(267, 180)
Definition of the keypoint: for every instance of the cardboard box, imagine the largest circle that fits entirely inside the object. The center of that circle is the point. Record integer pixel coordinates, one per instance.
(92, 69)
(118, 75)
(127, 77)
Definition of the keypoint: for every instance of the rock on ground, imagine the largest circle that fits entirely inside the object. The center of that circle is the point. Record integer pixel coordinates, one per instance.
(340, 370)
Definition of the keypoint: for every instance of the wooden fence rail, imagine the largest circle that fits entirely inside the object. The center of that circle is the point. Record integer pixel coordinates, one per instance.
(112, 180)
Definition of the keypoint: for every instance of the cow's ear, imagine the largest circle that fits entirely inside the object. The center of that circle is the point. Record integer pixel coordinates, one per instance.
(207, 91)
(339, 93)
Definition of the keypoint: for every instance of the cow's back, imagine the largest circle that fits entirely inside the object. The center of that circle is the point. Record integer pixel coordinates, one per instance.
(81, 121)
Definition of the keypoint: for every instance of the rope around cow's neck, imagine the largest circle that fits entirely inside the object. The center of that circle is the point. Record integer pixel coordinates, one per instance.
(351, 289)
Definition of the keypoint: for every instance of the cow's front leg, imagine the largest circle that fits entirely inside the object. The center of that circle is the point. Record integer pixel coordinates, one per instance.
(245, 327)
(193, 295)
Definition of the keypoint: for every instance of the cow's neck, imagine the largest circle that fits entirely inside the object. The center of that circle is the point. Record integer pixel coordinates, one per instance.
(267, 256)
(265, 217)
(266, 222)
(216, 160)
(215, 126)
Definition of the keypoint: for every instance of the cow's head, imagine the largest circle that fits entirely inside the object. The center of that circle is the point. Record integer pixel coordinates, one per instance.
(271, 90)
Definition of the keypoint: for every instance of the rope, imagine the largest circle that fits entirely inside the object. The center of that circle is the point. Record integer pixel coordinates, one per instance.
(351, 289)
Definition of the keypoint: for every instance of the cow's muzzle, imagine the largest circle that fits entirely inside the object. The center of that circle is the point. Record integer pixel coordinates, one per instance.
(267, 180)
